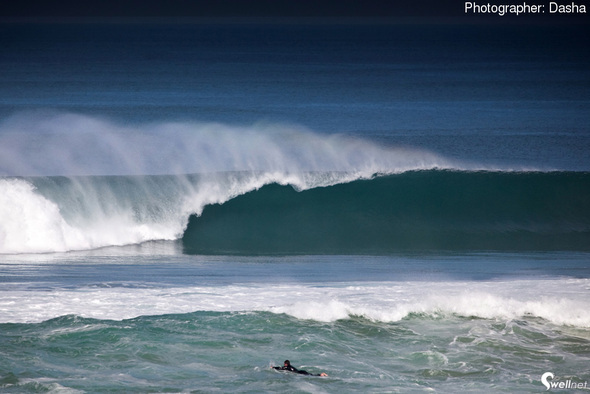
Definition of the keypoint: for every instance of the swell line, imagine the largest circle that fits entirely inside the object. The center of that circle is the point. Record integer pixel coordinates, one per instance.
(413, 211)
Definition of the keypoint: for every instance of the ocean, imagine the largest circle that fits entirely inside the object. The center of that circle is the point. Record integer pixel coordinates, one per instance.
(405, 207)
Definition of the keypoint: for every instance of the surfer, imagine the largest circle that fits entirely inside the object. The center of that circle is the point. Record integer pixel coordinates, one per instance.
(288, 367)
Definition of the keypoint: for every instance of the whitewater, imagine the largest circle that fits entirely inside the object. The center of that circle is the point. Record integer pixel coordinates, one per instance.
(232, 161)
(151, 318)
(161, 174)
(375, 301)
(222, 246)
(276, 240)
(182, 206)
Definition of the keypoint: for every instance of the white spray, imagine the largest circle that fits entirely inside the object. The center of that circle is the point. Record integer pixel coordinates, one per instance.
(231, 160)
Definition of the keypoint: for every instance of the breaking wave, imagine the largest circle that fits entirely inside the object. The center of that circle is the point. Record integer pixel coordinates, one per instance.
(73, 182)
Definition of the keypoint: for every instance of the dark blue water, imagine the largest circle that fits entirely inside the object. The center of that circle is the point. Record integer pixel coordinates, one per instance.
(510, 94)
(100, 292)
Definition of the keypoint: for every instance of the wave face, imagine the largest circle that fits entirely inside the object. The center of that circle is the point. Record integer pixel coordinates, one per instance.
(253, 213)
(55, 194)
(412, 211)
(73, 182)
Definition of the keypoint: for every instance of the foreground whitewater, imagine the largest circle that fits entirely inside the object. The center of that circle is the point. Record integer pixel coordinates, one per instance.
(149, 318)
(388, 267)
(184, 205)
(564, 302)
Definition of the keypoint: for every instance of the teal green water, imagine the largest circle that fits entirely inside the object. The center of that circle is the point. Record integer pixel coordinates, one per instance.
(121, 273)
(232, 352)
(415, 211)
(149, 319)
(252, 213)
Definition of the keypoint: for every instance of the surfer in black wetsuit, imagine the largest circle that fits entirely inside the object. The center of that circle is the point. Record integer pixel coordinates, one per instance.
(288, 367)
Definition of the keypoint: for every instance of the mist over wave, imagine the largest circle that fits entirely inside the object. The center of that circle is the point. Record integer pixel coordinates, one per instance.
(73, 182)
(40, 144)
(67, 201)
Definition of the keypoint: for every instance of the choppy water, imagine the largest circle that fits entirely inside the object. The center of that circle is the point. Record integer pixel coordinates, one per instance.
(166, 322)
(402, 207)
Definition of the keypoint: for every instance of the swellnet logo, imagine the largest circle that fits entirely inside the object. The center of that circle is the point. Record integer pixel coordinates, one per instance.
(547, 380)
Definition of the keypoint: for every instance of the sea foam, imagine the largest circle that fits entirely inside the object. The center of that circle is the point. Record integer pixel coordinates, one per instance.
(384, 302)
(32, 223)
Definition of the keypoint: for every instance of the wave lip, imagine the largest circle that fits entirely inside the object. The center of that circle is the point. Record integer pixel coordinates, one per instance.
(265, 189)
(88, 182)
